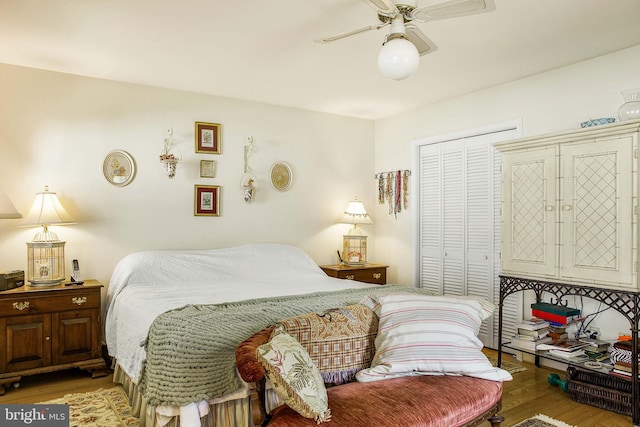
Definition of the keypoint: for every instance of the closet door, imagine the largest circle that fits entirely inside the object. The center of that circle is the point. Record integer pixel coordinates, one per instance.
(479, 211)
(456, 221)
(459, 222)
(453, 218)
(431, 271)
(443, 218)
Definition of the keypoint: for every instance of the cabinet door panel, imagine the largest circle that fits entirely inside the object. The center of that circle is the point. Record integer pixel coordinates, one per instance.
(597, 211)
(530, 212)
(26, 341)
(76, 336)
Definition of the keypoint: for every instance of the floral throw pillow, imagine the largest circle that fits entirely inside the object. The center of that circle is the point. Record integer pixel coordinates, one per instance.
(294, 377)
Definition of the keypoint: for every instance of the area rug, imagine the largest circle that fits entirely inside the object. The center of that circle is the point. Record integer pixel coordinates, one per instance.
(510, 367)
(101, 408)
(542, 421)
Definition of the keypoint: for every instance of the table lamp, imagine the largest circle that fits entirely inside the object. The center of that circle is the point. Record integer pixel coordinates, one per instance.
(46, 252)
(354, 243)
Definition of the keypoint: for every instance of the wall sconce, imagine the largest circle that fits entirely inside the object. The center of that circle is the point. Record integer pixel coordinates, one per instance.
(248, 181)
(167, 158)
(354, 243)
(45, 254)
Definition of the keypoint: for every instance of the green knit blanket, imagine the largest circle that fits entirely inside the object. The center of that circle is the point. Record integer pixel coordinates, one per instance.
(191, 350)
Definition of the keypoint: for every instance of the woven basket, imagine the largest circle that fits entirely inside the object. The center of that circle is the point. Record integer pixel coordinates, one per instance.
(599, 390)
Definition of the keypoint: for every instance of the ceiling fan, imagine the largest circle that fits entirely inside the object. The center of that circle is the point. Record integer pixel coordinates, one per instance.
(405, 43)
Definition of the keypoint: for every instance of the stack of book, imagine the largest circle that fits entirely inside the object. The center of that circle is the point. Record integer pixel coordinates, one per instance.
(596, 350)
(558, 333)
(622, 356)
(595, 345)
(531, 333)
(556, 314)
(572, 350)
(622, 369)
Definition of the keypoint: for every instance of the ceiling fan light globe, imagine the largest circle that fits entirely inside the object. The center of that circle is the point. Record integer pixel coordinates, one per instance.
(398, 59)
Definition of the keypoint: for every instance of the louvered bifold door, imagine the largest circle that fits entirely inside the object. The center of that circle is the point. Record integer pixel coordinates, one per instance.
(430, 222)
(454, 217)
(459, 221)
(479, 209)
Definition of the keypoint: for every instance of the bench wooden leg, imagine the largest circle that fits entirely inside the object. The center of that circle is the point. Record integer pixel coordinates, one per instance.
(261, 388)
(496, 420)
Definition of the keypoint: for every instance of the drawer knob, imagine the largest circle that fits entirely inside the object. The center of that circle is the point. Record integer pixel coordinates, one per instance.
(350, 276)
(377, 275)
(22, 305)
(47, 338)
(79, 300)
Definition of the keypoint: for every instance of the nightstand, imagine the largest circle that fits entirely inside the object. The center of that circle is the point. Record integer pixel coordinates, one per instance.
(368, 273)
(46, 329)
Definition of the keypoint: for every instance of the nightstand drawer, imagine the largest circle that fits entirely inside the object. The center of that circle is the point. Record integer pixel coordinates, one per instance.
(369, 273)
(373, 275)
(18, 305)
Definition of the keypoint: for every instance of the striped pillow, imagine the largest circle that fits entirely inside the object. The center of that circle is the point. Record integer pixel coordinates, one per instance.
(429, 335)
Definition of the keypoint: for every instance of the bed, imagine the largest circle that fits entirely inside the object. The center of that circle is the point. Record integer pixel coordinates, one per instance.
(220, 296)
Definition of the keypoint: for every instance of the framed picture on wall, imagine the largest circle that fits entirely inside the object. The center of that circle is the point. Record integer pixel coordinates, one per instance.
(208, 138)
(207, 200)
(119, 168)
(207, 168)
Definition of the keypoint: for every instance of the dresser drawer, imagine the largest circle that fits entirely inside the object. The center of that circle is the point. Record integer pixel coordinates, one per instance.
(17, 305)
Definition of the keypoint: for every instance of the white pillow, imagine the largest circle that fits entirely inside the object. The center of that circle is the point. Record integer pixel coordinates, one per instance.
(429, 335)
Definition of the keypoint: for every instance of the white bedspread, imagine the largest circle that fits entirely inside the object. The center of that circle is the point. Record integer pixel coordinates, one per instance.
(146, 284)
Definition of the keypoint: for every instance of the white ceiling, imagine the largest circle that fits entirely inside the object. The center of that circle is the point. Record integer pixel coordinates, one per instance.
(264, 51)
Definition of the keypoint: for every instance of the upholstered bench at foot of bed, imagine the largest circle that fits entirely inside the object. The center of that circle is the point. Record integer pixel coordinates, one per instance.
(416, 401)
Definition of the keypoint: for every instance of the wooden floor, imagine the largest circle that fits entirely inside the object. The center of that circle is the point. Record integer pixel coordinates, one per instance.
(528, 394)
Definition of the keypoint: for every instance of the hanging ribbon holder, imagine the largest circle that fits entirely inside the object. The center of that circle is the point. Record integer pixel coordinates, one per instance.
(393, 188)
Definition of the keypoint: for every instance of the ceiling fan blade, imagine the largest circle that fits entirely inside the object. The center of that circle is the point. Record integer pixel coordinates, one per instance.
(420, 40)
(383, 7)
(435, 10)
(350, 33)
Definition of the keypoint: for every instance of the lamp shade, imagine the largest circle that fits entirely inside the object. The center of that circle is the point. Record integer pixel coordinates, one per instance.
(398, 59)
(47, 210)
(355, 213)
(7, 210)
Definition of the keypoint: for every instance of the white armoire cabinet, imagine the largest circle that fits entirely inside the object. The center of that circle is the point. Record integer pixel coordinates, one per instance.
(569, 206)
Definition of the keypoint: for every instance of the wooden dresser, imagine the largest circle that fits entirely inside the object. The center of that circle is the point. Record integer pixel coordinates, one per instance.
(368, 273)
(45, 329)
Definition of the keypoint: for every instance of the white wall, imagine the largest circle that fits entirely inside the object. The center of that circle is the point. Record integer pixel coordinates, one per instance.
(56, 129)
(549, 102)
